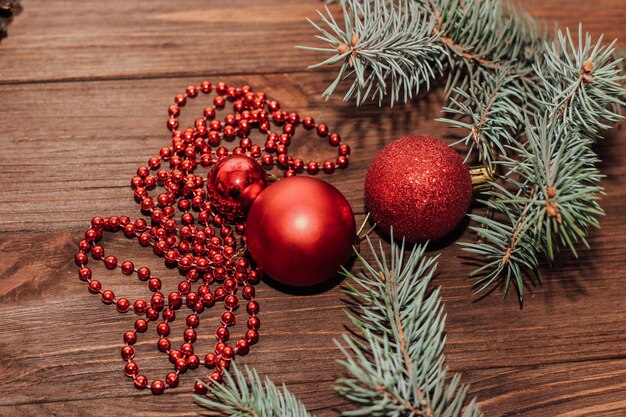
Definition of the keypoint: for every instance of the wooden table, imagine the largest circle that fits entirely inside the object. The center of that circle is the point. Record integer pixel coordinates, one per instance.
(84, 87)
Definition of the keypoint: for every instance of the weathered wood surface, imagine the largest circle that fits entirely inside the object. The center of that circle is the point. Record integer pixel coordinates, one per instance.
(84, 87)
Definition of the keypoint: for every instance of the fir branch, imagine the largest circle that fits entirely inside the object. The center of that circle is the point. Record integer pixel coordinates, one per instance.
(582, 83)
(560, 165)
(396, 360)
(381, 43)
(244, 394)
(531, 106)
(490, 114)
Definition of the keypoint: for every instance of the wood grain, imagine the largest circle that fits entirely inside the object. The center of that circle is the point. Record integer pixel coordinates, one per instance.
(84, 88)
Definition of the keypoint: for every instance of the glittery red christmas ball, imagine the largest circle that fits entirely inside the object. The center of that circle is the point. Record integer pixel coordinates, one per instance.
(419, 186)
(234, 183)
(300, 230)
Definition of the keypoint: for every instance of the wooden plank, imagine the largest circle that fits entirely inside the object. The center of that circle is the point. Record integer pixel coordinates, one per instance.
(83, 337)
(69, 40)
(83, 151)
(78, 153)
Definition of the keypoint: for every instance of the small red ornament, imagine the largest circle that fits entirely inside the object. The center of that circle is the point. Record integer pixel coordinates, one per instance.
(300, 230)
(419, 186)
(234, 183)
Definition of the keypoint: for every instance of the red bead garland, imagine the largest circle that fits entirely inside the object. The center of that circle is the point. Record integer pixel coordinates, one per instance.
(204, 244)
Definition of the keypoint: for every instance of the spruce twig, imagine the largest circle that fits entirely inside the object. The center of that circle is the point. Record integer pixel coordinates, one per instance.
(515, 91)
(394, 360)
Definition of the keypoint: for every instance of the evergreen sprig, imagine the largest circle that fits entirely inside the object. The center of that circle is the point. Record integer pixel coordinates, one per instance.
(394, 358)
(531, 106)
(245, 394)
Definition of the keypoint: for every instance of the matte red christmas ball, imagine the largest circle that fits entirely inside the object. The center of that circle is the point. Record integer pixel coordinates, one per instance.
(234, 183)
(300, 230)
(419, 186)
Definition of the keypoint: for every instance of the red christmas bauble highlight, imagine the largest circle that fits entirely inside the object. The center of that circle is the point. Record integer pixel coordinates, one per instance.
(234, 183)
(419, 186)
(300, 230)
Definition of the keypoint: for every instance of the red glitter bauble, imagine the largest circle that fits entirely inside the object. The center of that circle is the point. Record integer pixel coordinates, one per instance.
(234, 183)
(418, 186)
(300, 230)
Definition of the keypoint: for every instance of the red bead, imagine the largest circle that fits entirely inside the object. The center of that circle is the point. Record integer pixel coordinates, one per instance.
(173, 110)
(208, 300)
(243, 346)
(127, 353)
(334, 139)
(313, 168)
(193, 321)
(228, 352)
(184, 287)
(172, 123)
(169, 314)
(97, 252)
(154, 284)
(128, 268)
(221, 88)
(329, 167)
(84, 274)
(172, 380)
(157, 387)
(193, 362)
(219, 101)
(141, 325)
(254, 323)
(141, 382)
(130, 338)
(131, 369)
(210, 360)
(191, 91)
(80, 259)
(216, 376)
(228, 318)
(181, 365)
(180, 99)
(163, 329)
(219, 347)
(231, 301)
(322, 129)
(186, 349)
(174, 355)
(175, 300)
(97, 222)
(206, 87)
(200, 388)
(248, 292)
(222, 334)
(252, 336)
(164, 344)
(273, 105)
(190, 335)
(308, 122)
(140, 306)
(252, 308)
(157, 302)
(122, 305)
(342, 162)
(108, 297)
(152, 313)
